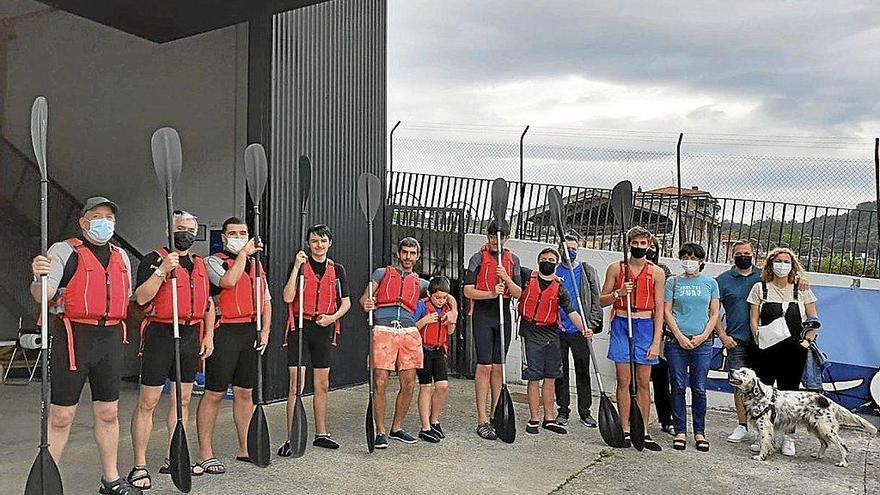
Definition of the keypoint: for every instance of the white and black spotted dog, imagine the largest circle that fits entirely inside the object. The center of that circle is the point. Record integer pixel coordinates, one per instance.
(771, 410)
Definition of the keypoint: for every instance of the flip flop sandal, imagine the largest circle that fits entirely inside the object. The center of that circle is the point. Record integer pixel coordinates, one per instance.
(212, 466)
(702, 445)
(554, 427)
(651, 445)
(627, 440)
(140, 473)
(197, 470)
(532, 427)
(244, 458)
(679, 443)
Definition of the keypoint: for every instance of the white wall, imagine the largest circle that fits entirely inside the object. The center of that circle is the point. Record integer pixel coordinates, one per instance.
(108, 91)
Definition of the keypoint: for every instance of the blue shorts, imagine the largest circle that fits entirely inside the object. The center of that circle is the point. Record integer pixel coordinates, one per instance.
(643, 336)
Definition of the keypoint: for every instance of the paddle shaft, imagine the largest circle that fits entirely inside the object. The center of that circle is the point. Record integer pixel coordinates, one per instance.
(258, 298)
(299, 345)
(501, 310)
(175, 325)
(44, 316)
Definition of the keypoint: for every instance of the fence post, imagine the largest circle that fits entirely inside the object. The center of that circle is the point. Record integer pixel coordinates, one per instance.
(522, 191)
(877, 196)
(681, 239)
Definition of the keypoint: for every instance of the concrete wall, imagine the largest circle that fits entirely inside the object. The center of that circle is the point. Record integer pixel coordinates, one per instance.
(108, 91)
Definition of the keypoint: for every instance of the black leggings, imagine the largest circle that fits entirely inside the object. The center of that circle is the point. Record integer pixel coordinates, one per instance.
(662, 393)
(783, 364)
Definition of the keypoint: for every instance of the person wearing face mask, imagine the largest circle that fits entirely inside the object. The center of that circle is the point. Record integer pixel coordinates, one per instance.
(196, 325)
(691, 308)
(542, 301)
(232, 273)
(660, 371)
(778, 295)
(643, 281)
(571, 338)
(86, 345)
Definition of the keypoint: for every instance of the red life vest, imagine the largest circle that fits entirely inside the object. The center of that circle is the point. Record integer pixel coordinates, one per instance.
(193, 291)
(319, 298)
(395, 290)
(540, 307)
(642, 296)
(487, 279)
(435, 335)
(236, 304)
(95, 295)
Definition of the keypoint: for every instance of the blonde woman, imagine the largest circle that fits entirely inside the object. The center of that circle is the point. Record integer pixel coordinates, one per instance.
(777, 296)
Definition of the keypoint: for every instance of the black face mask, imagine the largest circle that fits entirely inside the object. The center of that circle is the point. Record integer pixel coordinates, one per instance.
(651, 255)
(546, 267)
(742, 262)
(637, 252)
(183, 240)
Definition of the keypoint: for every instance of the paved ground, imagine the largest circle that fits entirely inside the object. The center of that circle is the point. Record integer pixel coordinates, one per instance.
(577, 463)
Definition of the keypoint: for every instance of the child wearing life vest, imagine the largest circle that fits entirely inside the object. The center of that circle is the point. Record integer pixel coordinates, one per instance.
(539, 308)
(435, 326)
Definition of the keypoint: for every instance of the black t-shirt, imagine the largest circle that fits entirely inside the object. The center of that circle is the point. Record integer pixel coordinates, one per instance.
(320, 268)
(535, 332)
(102, 253)
(151, 261)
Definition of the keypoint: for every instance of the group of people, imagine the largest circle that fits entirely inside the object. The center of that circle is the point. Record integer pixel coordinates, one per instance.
(559, 307)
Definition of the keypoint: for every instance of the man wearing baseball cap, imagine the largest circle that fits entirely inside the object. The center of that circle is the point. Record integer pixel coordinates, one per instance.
(89, 290)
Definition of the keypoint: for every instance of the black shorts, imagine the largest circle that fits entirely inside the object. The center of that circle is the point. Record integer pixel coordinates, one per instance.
(543, 359)
(487, 338)
(157, 363)
(98, 352)
(434, 368)
(741, 356)
(317, 345)
(234, 359)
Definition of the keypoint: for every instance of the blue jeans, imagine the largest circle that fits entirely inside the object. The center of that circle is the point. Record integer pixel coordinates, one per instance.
(688, 367)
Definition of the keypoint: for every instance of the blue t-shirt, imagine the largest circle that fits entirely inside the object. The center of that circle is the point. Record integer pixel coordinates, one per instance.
(384, 316)
(734, 289)
(690, 306)
(564, 275)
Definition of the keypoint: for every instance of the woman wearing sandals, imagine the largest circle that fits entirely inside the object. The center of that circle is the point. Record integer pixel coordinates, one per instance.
(691, 311)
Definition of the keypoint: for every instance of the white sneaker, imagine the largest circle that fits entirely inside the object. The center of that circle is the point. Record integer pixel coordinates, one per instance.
(741, 433)
(755, 448)
(788, 447)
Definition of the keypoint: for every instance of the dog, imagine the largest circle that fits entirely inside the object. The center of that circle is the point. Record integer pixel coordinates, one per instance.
(771, 410)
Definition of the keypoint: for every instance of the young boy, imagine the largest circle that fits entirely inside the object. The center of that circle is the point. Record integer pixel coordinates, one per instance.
(539, 308)
(435, 326)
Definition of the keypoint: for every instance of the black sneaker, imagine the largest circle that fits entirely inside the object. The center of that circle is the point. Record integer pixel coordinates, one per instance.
(429, 436)
(487, 431)
(403, 436)
(627, 440)
(532, 427)
(651, 445)
(381, 441)
(438, 431)
(119, 487)
(562, 419)
(325, 441)
(284, 450)
(554, 426)
(670, 429)
(587, 421)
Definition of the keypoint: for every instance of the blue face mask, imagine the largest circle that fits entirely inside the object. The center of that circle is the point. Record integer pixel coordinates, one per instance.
(101, 229)
(572, 255)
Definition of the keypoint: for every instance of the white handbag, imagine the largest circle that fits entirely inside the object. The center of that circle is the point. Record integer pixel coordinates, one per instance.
(773, 333)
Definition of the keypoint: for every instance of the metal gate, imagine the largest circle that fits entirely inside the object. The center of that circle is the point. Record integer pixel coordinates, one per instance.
(440, 231)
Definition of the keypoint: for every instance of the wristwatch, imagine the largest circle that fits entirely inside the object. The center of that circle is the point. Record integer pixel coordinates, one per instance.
(159, 273)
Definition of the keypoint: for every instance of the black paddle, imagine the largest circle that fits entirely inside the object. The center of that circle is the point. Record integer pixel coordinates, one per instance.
(609, 420)
(369, 190)
(256, 173)
(299, 427)
(621, 204)
(167, 159)
(44, 477)
(502, 418)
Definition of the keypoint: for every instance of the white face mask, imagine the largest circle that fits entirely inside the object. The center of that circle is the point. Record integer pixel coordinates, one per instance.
(781, 269)
(690, 266)
(234, 245)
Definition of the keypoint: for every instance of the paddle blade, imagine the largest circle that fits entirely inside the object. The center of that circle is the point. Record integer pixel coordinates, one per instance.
(305, 181)
(499, 200)
(167, 157)
(299, 428)
(554, 201)
(256, 171)
(178, 460)
(636, 425)
(258, 438)
(609, 423)
(39, 122)
(369, 192)
(370, 427)
(44, 477)
(503, 419)
(622, 204)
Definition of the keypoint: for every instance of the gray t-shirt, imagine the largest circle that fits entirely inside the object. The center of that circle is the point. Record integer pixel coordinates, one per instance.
(65, 261)
(216, 270)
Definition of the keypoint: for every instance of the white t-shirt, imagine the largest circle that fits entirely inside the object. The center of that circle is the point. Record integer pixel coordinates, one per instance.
(784, 296)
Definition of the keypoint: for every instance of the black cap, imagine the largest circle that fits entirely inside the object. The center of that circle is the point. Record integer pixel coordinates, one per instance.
(97, 201)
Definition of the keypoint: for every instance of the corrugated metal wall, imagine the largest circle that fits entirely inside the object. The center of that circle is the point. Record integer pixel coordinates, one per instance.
(327, 100)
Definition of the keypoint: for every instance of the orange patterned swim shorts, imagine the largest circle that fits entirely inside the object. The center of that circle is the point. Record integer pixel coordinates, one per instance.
(397, 349)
